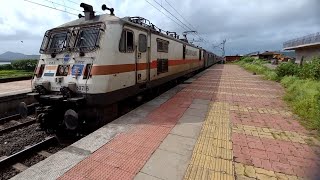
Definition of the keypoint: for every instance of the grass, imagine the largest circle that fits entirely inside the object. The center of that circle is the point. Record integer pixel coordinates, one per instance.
(302, 95)
(258, 67)
(14, 73)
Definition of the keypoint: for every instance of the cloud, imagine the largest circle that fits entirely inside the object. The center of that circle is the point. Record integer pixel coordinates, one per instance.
(247, 25)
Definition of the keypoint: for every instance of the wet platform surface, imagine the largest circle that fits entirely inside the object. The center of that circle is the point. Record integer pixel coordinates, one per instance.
(226, 124)
(15, 87)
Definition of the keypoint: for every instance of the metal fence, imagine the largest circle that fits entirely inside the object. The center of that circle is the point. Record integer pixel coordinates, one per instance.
(309, 39)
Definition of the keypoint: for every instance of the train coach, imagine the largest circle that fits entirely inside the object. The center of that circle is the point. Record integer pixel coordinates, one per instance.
(97, 60)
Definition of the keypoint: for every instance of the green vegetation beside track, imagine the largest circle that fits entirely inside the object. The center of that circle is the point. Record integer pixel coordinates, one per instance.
(14, 73)
(302, 84)
(18, 69)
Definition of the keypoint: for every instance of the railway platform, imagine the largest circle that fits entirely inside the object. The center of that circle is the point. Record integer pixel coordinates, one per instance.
(225, 124)
(15, 87)
(11, 94)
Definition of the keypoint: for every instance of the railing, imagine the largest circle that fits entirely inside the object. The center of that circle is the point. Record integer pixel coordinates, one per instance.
(309, 39)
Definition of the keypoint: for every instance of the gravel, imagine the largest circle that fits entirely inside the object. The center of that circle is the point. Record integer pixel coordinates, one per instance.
(17, 121)
(7, 173)
(15, 141)
(33, 160)
(54, 149)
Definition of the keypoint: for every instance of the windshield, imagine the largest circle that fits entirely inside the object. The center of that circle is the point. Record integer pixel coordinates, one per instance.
(54, 42)
(78, 38)
(58, 42)
(87, 39)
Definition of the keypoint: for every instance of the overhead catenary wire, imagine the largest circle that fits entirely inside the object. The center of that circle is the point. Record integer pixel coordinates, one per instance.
(179, 14)
(72, 2)
(192, 27)
(165, 15)
(188, 28)
(39, 4)
(201, 39)
(196, 32)
(63, 6)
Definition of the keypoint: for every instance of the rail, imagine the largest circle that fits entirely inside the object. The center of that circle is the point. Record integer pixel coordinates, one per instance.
(18, 126)
(309, 39)
(5, 162)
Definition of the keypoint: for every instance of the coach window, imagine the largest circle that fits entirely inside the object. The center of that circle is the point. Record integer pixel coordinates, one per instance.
(162, 45)
(142, 43)
(126, 42)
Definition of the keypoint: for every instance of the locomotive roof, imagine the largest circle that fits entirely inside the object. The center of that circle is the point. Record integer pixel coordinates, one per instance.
(95, 19)
(107, 17)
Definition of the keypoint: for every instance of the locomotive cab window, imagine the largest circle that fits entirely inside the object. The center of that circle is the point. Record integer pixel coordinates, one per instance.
(57, 42)
(142, 43)
(87, 39)
(162, 45)
(126, 42)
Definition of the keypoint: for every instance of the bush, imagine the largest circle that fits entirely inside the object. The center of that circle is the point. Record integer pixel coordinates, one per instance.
(288, 80)
(311, 70)
(247, 59)
(287, 69)
(271, 75)
(28, 65)
(6, 67)
(257, 66)
(304, 98)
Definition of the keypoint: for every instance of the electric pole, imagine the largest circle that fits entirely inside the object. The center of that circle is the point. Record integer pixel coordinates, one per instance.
(223, 51)
(223, 43)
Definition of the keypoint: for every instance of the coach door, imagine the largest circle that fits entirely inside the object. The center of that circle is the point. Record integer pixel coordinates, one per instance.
(142, 65)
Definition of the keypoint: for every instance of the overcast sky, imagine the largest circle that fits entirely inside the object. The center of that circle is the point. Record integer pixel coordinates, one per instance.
(247, 25)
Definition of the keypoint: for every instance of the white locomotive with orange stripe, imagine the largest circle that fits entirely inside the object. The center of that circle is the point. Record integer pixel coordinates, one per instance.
(98, 60)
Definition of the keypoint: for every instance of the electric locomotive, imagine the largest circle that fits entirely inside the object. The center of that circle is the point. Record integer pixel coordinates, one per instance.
(89, 64)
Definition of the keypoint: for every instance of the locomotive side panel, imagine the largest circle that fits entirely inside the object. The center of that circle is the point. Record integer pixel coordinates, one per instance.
(119, 58)
(168, 57)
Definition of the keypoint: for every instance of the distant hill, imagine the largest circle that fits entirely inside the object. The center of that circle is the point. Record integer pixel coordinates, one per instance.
(11, 56)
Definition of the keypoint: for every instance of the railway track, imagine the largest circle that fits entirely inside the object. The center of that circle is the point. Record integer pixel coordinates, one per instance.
(17, 126)
(15, 121)
(28, 156)
(27, 151)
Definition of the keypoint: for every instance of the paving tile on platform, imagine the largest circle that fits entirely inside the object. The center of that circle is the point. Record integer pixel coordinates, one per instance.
(166, 165)
(178, 144)
(186, 130)
(143, 176)
(143, 110)
(199, 106)
(194, 120)
(201, 101)
(196, 112)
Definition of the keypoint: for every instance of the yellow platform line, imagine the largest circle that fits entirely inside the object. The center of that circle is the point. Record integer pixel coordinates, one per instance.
(243, 171)
(230, 93)
(212, 154)
(275, 134)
